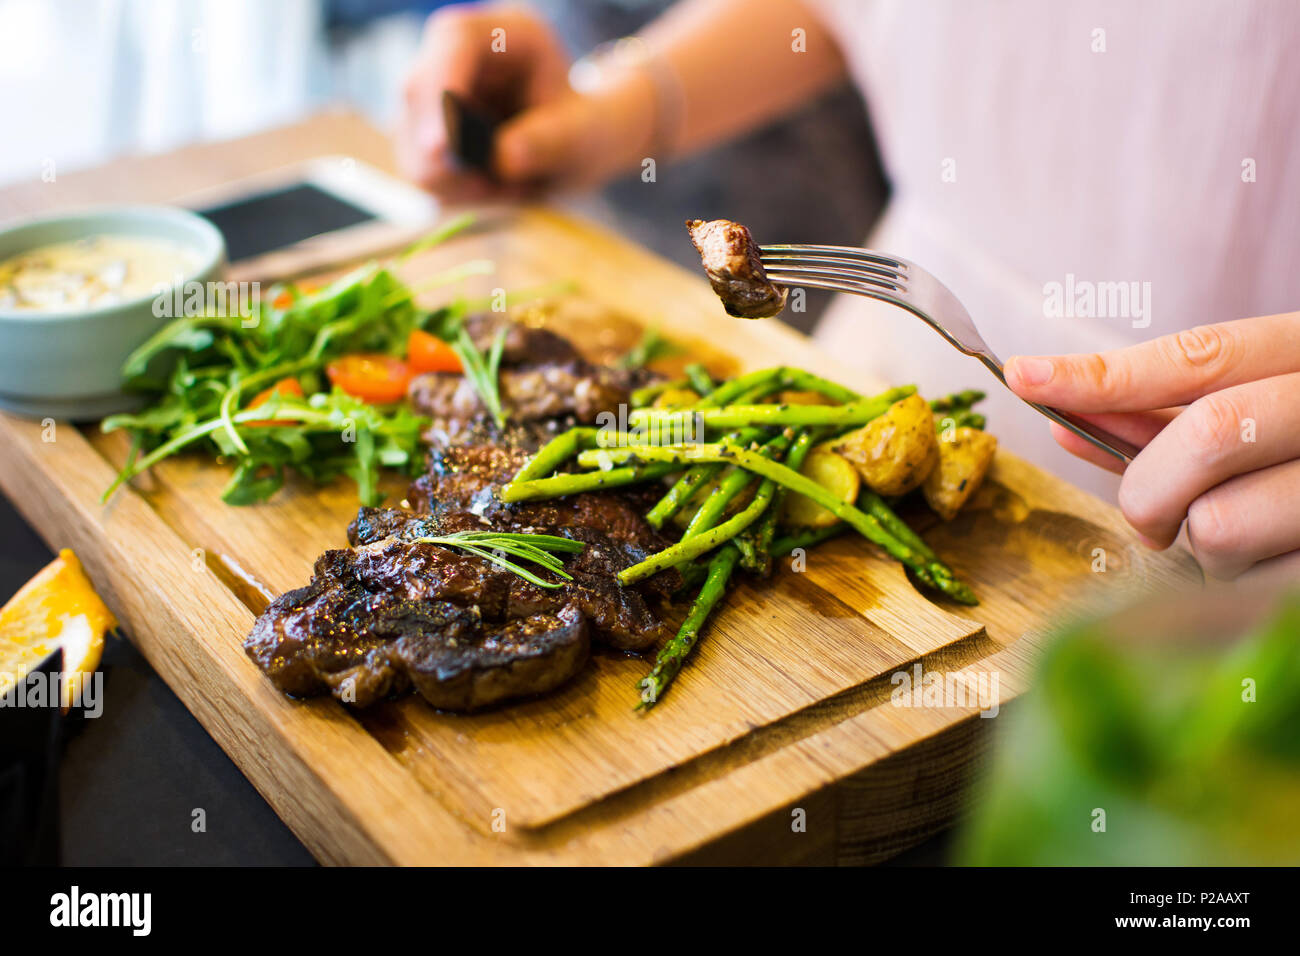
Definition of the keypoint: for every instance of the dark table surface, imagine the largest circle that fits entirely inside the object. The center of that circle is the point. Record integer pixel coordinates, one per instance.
(131, 780)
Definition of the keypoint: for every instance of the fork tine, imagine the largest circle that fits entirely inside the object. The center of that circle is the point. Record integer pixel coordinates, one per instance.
(836, 262)
(875, 265)
(854, 273)
(844, 282)
(836, 268)
(849, 252)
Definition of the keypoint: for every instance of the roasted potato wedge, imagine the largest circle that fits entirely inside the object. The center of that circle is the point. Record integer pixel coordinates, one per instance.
(895, 452)
(964, 459)
(833, 473)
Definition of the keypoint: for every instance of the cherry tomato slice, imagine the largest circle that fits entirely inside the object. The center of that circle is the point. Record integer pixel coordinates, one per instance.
(428, 353)
(371, 377)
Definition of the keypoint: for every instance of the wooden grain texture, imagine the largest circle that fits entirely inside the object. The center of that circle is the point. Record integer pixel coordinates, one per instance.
(785, 712)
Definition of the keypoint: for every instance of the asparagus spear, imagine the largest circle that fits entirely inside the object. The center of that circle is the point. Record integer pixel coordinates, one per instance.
(647, 394)
(875, 506)
(691, 482)
(673, 421)
(697, 477)
(687, 485)
(957, 401)
(699, 379)
(688, 549)
(959, 418)
(745, 543)
(555, 453)
(805, 538)
(758, 558)
(651, 346)
(672, 655)
(775, 380)
(562, 484)
(929, 571)
(726, 491)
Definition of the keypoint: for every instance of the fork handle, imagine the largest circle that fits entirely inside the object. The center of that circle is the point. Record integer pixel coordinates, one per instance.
(1107, 441)
(1122, 449)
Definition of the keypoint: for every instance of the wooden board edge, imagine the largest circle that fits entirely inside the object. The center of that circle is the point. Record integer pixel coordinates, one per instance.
(257, 726)
(262, 731)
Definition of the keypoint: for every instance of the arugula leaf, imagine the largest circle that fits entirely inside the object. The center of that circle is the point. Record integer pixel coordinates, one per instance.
(202, 370)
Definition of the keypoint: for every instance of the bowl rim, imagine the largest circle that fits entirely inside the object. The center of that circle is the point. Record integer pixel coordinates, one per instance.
(213, 253)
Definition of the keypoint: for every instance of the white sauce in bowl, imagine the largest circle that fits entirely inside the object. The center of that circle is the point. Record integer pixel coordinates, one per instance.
(92, 273)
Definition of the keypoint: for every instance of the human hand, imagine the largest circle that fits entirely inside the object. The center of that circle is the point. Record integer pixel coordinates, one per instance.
(1216, 410)
(508, 60)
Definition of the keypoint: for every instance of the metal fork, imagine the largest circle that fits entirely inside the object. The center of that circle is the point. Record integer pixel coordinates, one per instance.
(908, 286)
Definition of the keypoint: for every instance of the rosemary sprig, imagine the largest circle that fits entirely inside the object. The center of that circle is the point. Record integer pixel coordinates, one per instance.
(482, 371)
(493, 545)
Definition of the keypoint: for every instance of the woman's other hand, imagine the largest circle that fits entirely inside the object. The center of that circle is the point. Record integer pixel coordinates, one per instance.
(507, 59)
(1217, 411)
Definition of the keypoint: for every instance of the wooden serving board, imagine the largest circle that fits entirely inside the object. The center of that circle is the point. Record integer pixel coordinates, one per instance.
(779, 742)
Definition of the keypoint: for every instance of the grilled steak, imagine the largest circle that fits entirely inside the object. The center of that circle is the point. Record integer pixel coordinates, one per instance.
(731, 259)
(618, 616)
(542, 377)
(460, 488)
(395, 612)
(523, 344)
(341, 635)
(529, 392)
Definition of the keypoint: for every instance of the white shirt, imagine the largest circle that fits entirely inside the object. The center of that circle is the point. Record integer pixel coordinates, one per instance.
(1038, 150)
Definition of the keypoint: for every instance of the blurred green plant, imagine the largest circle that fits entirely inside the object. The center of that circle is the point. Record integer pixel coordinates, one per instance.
(1150, 747)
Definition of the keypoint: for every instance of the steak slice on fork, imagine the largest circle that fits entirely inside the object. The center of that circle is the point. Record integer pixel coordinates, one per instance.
(735, 269)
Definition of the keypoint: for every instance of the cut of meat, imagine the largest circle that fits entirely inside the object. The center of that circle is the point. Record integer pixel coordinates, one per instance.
(527, 393)
(460, 487)
(395, 612)
(542, 377)
(735, 270)
(388, 558)
(343, 636)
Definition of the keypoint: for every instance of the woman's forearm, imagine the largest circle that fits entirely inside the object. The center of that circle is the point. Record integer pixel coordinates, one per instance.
(709, 70)
(705, 71)
(740, 63)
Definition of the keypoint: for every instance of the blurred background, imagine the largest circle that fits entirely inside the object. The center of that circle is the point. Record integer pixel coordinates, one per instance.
(86, 80)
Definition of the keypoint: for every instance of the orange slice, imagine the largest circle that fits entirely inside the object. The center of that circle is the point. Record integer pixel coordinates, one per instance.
(56, 608)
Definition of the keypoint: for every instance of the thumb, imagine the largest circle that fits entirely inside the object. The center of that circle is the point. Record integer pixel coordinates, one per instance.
(543, 142)
(1081, 383)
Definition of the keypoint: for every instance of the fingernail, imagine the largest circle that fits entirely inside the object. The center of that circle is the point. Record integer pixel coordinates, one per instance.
(1034, 371)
